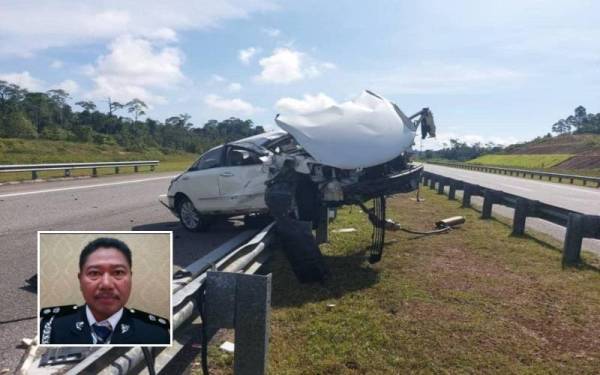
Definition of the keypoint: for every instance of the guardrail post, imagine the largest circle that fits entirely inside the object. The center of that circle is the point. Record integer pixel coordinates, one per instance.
(241, 302)
(94, 172)
(520, 216)
(466, 199)
(67, 172)
(489, 198)
(34, 175)
(135, 168)
(152, 167)
(573, 240)
(116, 170)
(452, 189)
(432, 181)
(441, 183)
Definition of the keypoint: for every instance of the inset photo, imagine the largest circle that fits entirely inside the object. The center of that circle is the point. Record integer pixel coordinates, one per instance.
(105, 288)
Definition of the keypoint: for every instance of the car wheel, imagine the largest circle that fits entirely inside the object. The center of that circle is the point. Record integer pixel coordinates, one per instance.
(189, 216)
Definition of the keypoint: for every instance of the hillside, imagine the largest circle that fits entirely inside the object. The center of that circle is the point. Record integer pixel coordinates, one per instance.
(34, 151)
(562, 144)
(569, 152)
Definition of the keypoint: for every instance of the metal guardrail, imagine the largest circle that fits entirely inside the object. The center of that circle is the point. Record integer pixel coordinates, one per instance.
(578, 225)
(68, 167)
(245, 253)
(521, 172)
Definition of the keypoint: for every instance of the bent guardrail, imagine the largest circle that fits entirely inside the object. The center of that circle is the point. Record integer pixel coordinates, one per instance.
(68, 167)
(522, 172)
(578, 225)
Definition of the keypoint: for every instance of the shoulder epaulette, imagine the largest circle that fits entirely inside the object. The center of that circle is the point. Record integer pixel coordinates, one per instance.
(150, 318)
(47, 312)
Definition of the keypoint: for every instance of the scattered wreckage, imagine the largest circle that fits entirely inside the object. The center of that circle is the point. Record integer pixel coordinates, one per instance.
(349, 153)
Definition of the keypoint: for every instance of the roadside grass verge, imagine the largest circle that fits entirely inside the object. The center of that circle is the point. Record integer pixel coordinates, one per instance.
(475, 300)
(22, 151)
(526, 161)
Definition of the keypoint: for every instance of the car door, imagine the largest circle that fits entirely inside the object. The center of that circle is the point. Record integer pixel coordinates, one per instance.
(242, 180)
(201, 182)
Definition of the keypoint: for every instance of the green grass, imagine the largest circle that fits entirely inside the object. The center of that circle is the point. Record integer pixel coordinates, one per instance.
(526, 161)
(475, 300)
(22, 151)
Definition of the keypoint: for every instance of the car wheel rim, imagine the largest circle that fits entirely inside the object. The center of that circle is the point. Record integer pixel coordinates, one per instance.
(189, 216)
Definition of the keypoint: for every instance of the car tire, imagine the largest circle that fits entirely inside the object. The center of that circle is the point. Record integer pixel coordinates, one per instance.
(189, 217)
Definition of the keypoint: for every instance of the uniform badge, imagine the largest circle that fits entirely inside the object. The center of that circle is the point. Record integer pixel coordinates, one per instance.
(161, 320)
(152, 318)
(79, 325)
(56, 310)
(46, 311)
(124, 328)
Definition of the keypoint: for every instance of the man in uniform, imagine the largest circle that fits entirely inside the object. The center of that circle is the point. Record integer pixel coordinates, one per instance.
(105, 282)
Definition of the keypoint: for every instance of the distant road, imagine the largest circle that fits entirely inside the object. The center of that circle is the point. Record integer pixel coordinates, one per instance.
(576, 198)
(127, 202)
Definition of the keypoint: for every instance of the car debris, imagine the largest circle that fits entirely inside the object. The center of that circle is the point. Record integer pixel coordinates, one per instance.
(346, 154)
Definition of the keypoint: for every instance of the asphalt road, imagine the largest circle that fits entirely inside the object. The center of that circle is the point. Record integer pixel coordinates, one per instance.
(126, 202)
(581, 199)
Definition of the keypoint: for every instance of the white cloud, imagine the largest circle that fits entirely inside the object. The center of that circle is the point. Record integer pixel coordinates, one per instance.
(165, 34)
(234, 87)
(218, 78)
(272, 32)
(69, 86)
(135, 68)
(246, 55)
(56, 64)
(93, 22)
(24, 80)
(236, 105)
(309, 103)
(286, 65)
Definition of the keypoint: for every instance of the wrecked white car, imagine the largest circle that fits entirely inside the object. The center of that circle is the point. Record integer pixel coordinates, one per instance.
(345, 154)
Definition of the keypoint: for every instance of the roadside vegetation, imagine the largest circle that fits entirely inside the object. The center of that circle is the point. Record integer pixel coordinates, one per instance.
(475, 300)
(525, 161)
(48, 115)
(34, 151)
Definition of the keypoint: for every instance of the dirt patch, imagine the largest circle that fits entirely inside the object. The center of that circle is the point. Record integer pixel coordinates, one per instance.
(588, 160)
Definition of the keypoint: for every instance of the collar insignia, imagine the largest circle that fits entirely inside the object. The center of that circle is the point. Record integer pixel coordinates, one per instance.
(79, 325)
(124, 328)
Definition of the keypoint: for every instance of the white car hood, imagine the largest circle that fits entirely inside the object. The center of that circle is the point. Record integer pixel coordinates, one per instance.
(364, 132)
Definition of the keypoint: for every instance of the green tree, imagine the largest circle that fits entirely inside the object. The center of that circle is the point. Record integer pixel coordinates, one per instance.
(17, 125)
(137, 107)
(87, 105)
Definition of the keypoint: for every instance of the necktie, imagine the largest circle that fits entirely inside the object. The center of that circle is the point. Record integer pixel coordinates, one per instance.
(102, 331)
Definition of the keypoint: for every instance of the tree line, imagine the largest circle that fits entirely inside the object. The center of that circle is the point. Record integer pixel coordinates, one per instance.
(461, 151)
(48, 115)
(579, 123)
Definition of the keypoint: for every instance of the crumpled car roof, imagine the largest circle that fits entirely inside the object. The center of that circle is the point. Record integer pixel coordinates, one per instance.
(364, 132)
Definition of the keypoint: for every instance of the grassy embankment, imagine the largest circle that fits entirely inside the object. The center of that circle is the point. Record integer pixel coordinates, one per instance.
(21, 151)
(475, 300)
(530, 161)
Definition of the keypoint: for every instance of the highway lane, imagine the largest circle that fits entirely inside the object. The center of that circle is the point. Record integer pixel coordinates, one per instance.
(126, 202)
(581, 199)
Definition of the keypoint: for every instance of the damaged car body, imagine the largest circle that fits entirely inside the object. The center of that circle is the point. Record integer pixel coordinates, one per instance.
(349, 153)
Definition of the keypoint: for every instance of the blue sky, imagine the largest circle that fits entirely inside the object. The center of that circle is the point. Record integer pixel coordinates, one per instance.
(490, 71)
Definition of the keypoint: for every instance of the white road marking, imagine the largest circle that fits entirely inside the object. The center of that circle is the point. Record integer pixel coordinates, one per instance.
(84, 187)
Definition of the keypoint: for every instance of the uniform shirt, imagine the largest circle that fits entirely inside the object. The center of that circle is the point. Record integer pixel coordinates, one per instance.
(113, 320)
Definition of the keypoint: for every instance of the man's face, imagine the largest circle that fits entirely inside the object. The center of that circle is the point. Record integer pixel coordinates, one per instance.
(105, 282)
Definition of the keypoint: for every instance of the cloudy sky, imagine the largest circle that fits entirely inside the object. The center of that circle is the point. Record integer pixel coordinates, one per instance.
(500, 71)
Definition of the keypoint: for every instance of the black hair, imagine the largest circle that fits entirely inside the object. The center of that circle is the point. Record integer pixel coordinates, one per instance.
(104, 242)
